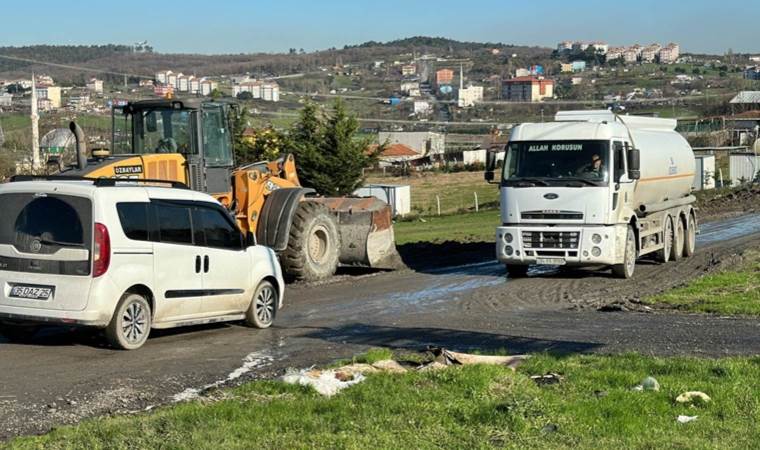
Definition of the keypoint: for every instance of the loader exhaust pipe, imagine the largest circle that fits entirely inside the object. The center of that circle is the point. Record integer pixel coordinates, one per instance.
(80, 145)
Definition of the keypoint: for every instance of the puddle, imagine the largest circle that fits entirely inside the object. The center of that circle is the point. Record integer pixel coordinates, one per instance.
(724, 230)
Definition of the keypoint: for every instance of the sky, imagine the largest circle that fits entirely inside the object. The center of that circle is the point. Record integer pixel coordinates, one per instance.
(236, 26)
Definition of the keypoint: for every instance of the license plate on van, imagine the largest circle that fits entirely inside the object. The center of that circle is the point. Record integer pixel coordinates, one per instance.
(31, 292)
(551, 261)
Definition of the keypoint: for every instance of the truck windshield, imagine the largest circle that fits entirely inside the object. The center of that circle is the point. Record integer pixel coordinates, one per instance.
(585, 162)
(154, 131)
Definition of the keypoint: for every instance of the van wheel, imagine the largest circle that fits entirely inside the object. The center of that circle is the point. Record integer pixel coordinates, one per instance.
(626, 269)
(312, 252)
(663, 255)
(130, 325)
(690, 243)
(18, 333)
(678, 240)
(517, 270)
(263, 307)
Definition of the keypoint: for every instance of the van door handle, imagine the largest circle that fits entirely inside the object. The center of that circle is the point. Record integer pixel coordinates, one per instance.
(198, 264)
(205, 264)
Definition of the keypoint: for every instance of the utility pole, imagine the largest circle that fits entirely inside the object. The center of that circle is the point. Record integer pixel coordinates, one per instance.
(35, 128)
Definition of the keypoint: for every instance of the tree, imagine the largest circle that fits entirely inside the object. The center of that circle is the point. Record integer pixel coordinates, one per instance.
(245, 95)
(216, 93)
(330, 157)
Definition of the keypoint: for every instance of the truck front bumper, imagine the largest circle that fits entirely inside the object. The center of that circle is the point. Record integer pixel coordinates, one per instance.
(571, 245)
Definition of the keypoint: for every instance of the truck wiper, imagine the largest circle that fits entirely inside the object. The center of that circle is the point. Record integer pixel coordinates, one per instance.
(581, 180)
(533, 181)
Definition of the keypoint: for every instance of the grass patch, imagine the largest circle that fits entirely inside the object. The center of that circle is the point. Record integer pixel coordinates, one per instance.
(730, 292)
(460, 407)
(371, 356)
(466, 227)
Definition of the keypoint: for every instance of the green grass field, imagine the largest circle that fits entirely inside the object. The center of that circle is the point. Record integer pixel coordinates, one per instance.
(729, 292)
(470, 227)
(594, 407)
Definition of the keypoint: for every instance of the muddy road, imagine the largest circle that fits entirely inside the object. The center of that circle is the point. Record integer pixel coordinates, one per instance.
(65, 375)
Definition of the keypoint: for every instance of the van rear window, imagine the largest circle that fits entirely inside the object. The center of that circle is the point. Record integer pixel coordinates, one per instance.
(44, 224)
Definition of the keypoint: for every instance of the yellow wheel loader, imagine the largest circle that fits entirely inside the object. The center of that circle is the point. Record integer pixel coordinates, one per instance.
(190, 141)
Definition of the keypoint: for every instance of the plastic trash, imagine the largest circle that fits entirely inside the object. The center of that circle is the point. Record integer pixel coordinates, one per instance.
(327, 382)
(648, 384)
(686, 419)
(690, 396)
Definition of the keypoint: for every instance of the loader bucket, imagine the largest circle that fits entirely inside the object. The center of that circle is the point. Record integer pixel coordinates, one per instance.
(366, 232)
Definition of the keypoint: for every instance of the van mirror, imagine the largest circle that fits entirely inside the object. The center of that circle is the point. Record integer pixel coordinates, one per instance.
(634, 161)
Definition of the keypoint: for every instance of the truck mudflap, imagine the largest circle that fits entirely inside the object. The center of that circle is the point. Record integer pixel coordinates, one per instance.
(366, 232)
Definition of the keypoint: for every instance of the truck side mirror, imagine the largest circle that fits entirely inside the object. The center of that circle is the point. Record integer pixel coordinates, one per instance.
(634, 161)
(490, 166)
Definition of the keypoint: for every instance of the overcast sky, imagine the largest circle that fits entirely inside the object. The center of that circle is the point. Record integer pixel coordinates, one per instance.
(236, 26)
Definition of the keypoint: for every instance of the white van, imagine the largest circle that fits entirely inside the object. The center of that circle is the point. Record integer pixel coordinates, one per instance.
(127, 258)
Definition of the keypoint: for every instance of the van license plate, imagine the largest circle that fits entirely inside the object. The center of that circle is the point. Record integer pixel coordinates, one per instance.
(551, 261)
(32, 292)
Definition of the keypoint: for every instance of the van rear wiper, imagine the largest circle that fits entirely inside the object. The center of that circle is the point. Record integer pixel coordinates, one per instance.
(61, 244)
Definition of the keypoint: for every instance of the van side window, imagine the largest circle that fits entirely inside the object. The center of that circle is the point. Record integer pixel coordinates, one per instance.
(219, 231)
(134, 220)
(174, 223)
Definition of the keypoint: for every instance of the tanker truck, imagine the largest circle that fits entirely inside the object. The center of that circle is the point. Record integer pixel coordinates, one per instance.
(594, 188)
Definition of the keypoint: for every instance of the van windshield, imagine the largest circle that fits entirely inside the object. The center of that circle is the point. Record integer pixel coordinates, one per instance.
(545, 162)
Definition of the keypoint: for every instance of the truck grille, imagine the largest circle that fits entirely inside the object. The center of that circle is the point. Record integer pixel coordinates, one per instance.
(552, 215)
(550, 239)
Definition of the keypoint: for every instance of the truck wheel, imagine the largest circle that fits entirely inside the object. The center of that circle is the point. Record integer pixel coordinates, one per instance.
(678, 240)
(263, 307)
(690, 243)
(312, 252)
(130, 325)
(626, 269)
(517, 270)
(667, 236)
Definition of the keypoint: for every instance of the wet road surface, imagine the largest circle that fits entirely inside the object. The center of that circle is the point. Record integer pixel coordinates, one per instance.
(64, 375)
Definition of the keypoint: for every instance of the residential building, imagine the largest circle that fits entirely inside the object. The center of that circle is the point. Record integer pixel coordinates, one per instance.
(207, 86)
(522, 72)
(95, 85)
(576, 81)
(171, 79)
(146, 83)
(426, 143)
(578, 66)
(565, 46)
(422, 108)
(444, 76)
(44, 80)
(408, 70)
(615, 53)
(44, 104)
(754, 58)
(632, 54)
(600, 47)
(79, 102)
(6, 99)
(183, 83)
(163, 76)
(527, 89)
(52, 93)
(195, 85)
(580, 46)
(650, 53)
(163, 90)
(270, 92)
(411, 88)
(254, 87)
(669, 53)
(469, 96)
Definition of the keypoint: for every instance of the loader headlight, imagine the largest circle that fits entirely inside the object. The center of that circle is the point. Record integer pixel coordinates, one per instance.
(508, 250)
(596, 251)
(596, 238)
(508, 237)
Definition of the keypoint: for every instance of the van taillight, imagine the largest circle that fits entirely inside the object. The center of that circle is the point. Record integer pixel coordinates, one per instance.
(102, 250)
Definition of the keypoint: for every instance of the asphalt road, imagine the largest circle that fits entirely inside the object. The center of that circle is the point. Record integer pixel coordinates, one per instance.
(64, 375)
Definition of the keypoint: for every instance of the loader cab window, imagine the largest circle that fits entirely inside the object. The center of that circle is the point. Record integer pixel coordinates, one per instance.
(217, 145)
(161, 130)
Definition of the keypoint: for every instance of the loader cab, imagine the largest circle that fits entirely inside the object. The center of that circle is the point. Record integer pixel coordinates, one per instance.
(196, 129)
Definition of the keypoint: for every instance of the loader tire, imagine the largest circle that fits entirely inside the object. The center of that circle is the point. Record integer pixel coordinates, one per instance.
(313, 243)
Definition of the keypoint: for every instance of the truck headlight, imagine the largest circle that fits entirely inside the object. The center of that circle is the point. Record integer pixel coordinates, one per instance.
(596, 238)
(508, 237)
(596, 251)
(508, 250)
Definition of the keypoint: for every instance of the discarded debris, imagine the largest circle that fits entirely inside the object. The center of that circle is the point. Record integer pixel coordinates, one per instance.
(549, 378)
(449, 358)
(327, 382)
(686, 419)
(648, 384)
(691, 396)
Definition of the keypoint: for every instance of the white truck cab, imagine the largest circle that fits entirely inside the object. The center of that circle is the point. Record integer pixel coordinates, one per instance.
(127, 258)
(594, 188)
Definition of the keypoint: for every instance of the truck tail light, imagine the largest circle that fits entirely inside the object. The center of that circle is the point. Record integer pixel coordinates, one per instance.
(102, 251)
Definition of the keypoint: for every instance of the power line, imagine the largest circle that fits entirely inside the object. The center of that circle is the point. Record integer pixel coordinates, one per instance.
(81, 68)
